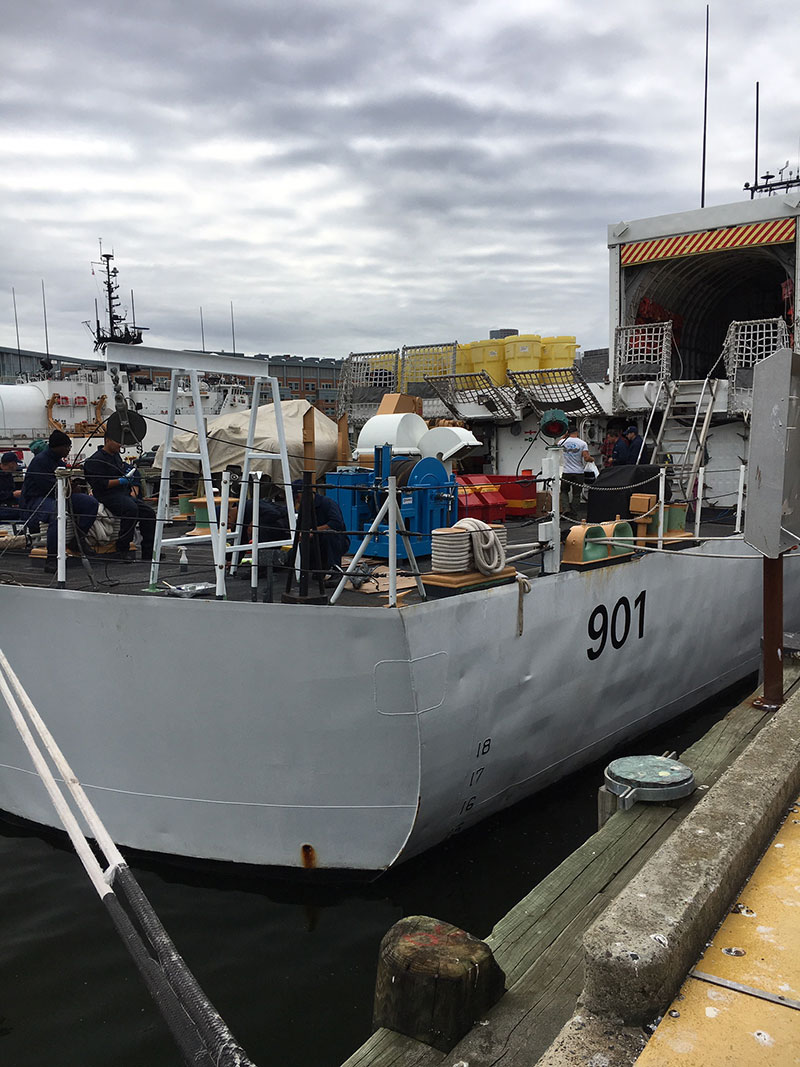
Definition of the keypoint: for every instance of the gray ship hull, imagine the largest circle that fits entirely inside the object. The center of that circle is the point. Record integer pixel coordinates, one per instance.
(346, 737)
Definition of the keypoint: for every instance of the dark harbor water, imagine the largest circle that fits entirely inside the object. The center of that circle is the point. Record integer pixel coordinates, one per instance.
(290, 967)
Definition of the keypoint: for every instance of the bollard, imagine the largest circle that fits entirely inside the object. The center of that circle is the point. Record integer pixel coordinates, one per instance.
(434, 981)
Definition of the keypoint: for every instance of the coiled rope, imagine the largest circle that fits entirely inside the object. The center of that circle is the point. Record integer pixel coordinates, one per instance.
(487, 546)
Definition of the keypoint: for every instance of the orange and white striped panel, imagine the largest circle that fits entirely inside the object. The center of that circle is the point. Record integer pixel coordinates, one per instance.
(775, 232)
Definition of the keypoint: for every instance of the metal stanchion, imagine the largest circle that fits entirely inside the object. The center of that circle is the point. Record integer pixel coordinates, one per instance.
(392, 542)
(61, 520)
(256, 476)
(698, 505)
(740, 499)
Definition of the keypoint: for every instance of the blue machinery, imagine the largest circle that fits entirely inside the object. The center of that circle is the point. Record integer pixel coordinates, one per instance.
(427, 499)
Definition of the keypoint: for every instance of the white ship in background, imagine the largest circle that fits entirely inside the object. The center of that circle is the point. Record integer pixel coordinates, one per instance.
(82, 397)
(345, 735)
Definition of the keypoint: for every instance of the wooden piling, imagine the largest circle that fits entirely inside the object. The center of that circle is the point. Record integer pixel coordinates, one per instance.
(434, 981)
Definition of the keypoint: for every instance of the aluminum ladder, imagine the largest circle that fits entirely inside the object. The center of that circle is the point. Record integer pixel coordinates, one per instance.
(676, 443)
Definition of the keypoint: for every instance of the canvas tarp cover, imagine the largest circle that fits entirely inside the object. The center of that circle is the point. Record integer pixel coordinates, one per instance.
(227, 439)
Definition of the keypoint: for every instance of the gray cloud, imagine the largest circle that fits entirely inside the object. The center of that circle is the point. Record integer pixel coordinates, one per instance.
(354, 175)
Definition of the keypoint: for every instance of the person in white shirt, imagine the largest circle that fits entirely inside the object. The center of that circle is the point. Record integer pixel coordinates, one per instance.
(576, 456)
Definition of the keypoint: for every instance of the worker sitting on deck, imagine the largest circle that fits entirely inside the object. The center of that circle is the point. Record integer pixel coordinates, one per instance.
(329, 521)
(39, 497)
(110, 479)
(9, 494)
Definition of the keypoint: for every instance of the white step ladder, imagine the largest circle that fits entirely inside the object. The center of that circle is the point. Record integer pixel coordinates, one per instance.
(193, 364)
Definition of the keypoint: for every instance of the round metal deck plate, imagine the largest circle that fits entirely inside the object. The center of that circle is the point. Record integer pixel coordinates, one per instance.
(650, 777)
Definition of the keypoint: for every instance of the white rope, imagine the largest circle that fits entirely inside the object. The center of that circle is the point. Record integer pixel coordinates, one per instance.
(66, 816)
(99, 832)
(489, 553)
(523, 588)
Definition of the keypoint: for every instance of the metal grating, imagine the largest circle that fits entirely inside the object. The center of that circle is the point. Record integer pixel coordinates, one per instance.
(363, 380)
(559, 387)
(642, 353)
(462, 392)
(417, 362)
(746, 344)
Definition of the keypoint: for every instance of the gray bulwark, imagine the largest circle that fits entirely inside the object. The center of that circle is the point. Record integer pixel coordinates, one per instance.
(772, 522)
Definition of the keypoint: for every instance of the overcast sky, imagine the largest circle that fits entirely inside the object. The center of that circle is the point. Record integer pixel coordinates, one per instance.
(357, 175)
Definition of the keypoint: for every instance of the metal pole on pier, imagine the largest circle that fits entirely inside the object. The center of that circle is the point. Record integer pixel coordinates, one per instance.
(772, 652)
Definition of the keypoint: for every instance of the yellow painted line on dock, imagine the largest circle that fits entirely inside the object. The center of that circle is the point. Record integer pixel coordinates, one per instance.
(713, 1021)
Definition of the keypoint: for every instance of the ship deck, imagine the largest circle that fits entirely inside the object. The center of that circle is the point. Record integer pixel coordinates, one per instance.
(101, 574)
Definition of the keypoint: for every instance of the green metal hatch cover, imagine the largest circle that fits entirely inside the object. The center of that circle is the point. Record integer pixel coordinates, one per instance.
(650, 778)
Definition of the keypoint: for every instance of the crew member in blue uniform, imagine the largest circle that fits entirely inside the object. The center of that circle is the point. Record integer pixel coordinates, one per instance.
(39, 495)
(9, 494)
(328, 518)
(110, 480)
(273, 519)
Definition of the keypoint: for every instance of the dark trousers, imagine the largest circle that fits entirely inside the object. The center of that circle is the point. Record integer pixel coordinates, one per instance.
(9, 514)
(132, 512)
(571, 486)
(82, 506)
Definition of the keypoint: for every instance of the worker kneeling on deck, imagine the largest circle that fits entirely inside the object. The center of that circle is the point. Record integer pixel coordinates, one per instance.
(273, 520)
(329, 521)
(111, 481)
(39, 496)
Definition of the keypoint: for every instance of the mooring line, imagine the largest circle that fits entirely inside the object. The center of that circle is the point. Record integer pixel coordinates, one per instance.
(199, 1031)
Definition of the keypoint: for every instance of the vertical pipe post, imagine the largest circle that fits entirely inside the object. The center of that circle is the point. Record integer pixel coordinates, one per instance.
(773, 631)
(222, 534)
(552, 470)
(740, 499)
(662, 484)
(306, 519)
(61, 519)
(698, 505)
(256, 476)
(392, 484)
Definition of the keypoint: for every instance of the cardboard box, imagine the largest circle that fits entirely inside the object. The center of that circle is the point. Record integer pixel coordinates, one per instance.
(400, 404)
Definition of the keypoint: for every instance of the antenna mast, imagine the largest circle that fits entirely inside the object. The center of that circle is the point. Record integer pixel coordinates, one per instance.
(118, 330)
(767, 184)
(705, 123)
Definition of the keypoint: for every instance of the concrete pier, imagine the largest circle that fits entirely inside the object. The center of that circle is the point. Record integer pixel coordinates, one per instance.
(597, 951)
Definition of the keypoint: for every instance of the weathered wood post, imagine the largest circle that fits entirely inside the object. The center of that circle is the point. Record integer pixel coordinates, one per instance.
(434, 981)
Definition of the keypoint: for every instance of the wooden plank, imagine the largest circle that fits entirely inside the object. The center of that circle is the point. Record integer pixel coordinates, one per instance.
(388, 1049)
(548, 909)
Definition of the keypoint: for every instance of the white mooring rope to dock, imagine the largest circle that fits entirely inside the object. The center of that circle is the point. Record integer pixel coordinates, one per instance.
(199, 1031)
